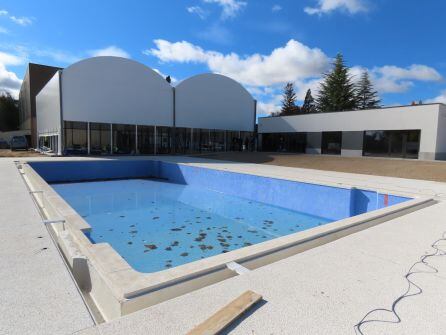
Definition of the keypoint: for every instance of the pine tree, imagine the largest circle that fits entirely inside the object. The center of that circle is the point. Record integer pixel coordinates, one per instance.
(337, 92)
(366, 96)
(9, 112)
(309, 105)
(289, 101)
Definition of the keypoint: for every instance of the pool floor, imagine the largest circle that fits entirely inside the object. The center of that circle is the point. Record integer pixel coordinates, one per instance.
(155, 225)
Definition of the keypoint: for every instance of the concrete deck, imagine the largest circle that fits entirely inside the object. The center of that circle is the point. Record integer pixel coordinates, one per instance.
(326, 290)
(37, 294)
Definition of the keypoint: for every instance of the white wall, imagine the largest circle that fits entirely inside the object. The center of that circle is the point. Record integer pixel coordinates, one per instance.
(213, 101)
(116, 90)
(48, 107)
(441, 133)
(424, 117)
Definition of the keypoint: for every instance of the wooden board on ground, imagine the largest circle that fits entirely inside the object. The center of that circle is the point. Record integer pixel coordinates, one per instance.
(225, 316)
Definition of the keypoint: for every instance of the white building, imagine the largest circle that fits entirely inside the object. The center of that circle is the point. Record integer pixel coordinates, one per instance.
(408, 131)
(112, 105)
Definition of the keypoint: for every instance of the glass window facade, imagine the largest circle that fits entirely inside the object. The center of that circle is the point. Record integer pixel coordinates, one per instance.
(75, 138)
(233, 141)
(100, 139)
(183, 140)
(217, 140)
(392, 143)
(284, 142)
(124, 139)
(331, 143)
(163, 140)
(146, 140)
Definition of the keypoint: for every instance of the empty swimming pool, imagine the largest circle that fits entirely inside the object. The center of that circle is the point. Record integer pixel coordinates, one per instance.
(156, 225)
(138, 232)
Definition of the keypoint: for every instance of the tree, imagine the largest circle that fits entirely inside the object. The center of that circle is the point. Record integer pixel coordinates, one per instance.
(366, 96)
(337, 91)
(9, 112)
(289, 101)
(309, 105)
(168, 79)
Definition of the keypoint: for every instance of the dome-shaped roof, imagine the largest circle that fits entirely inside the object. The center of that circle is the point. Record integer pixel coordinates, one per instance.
(213, 101)
(116, 90)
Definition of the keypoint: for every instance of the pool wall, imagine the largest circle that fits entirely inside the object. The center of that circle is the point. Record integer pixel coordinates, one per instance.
(117, 289)
(337, 203)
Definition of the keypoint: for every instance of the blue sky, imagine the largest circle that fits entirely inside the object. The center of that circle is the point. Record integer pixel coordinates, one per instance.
(263, 44)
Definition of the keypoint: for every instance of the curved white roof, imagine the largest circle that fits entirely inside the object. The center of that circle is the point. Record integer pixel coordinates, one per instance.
(214, 101)
(116, 90)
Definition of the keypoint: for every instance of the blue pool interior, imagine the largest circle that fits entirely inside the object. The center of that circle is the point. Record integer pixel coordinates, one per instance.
(158, 215)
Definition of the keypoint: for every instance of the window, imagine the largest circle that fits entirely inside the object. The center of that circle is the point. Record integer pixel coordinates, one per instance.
(183, 140)
(163, 140)
(392, 143)
(124, 139)
(331, 143)
(75, 138)
(100, 139)
(218, 140)
(233, 141)
(146, 140)
(284, 142)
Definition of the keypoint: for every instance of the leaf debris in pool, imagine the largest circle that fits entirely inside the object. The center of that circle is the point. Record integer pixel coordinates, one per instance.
(151, 246)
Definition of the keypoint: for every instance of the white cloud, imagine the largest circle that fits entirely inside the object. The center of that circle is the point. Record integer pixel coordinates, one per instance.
(23, 21)
(276, 8)
(301, 88)
(440, 98)
(9, 81)
(267, 108)
(180, 52)
(10, 59)
(265, 75)
(58, 56)
(328, 6)
(415, 72)
(394, 79)
(111, 50)
(230, 8)
(294, 61)
(202, 14)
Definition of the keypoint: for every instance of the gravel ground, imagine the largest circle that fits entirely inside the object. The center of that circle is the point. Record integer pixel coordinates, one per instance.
(391, 167)
(18, 153)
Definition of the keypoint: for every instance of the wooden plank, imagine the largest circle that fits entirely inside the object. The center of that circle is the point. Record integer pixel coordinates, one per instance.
(226, 315)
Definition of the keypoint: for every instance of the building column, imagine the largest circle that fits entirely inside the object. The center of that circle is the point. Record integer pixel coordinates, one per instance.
(88, 138)
(154, 141)
(111, 138)
(136, 140)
